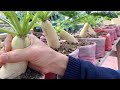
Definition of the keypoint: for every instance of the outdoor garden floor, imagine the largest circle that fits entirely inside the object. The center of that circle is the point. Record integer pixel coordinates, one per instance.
(111, 61)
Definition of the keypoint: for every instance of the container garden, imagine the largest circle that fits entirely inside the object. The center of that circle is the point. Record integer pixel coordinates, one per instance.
(84, 50)
(100, 44)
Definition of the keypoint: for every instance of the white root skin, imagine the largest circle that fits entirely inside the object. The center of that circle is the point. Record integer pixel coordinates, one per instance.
(91, 31)
(84, 30)
(50, 35)
(12, 70)
(68, 37)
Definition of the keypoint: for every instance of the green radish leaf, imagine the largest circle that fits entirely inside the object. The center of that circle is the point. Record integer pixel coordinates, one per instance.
(17, 22)
(6, 21)
(32, 23)
(9, 16)
(7, 31)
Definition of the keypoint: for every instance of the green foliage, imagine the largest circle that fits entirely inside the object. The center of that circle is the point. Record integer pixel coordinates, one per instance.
(19, 23)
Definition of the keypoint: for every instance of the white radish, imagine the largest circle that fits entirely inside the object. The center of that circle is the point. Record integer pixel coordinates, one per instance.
(91, 31)
(50, 35)
(12, 70)
(84, 30)
(68, 37)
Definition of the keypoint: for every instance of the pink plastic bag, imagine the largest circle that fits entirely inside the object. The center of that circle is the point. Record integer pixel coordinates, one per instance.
(108, 44)
(117, 30)
(75, 53)
(113, 32)
(100, 46)
(88, 53)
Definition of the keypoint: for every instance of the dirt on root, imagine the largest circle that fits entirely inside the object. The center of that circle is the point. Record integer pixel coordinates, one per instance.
(67, 48)
(30, 74)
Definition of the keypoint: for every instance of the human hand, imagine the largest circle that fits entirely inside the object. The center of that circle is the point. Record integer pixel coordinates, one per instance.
(40, 57)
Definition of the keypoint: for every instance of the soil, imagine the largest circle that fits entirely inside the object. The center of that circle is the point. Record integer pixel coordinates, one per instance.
(91, 36)
(87, 36)
(67, 48)
(30, 74)
(102, 33)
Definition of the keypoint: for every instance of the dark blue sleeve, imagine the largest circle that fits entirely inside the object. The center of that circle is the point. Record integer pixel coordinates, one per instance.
(80, 69)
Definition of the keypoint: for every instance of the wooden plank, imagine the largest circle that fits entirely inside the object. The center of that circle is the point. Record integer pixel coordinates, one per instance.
(107, 53)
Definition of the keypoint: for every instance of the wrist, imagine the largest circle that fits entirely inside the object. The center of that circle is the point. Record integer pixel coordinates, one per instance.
(59, 64)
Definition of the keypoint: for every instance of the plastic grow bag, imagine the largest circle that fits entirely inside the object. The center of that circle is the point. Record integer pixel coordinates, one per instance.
(88, 53)
(117, 30)
(111, 32)
(100, 46)
(108, 43)
(114, 28)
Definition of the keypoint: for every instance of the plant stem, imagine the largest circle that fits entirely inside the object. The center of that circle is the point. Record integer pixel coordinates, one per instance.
(17, 23)
(31, 24)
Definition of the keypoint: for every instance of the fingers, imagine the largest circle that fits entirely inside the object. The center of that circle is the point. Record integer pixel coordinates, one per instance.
(2, 51)
(14, 56)
(33, 39)
(7, 43)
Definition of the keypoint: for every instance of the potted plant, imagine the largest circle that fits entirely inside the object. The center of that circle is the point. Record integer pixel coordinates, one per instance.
(92, 36)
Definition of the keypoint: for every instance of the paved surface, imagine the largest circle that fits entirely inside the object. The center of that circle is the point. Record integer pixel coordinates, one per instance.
(111, 61)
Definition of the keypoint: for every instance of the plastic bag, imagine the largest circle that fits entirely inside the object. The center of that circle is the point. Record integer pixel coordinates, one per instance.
(100, 46)
(108, 43)
(115, 29)
(75, 53)
(88, 53)
(112, 34)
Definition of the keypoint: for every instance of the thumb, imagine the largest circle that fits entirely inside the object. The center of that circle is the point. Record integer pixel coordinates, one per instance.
(14, 56)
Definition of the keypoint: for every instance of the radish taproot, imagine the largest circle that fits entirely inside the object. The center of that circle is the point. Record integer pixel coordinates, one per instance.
(65, 35)
(48, 30)
(87, 28)
(84, 30)
(20, 41)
